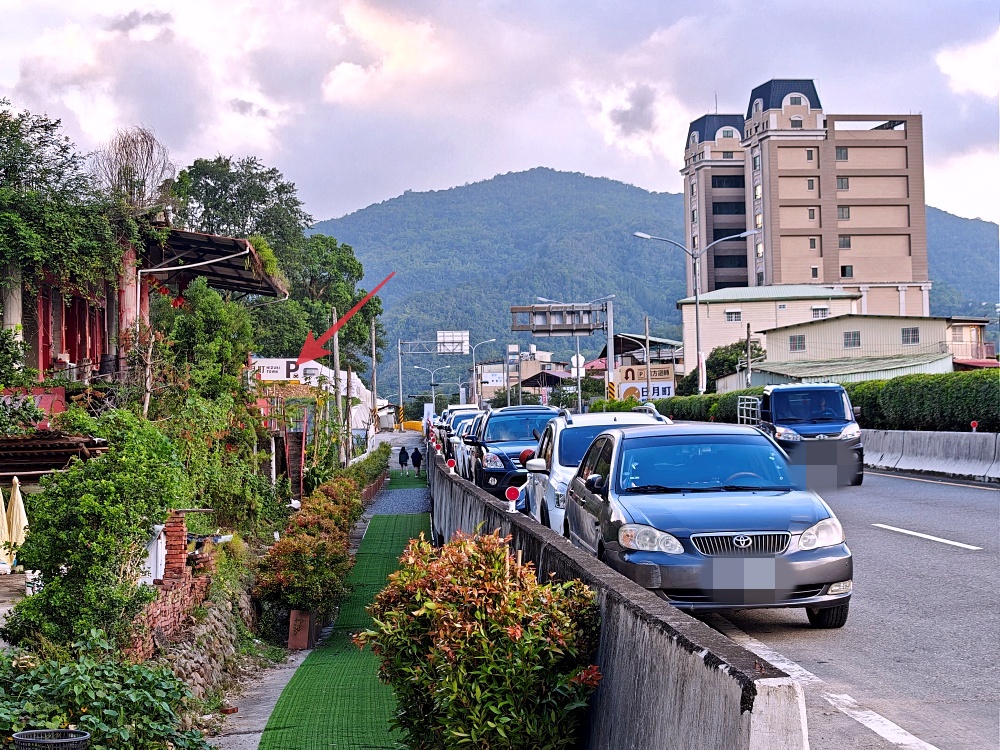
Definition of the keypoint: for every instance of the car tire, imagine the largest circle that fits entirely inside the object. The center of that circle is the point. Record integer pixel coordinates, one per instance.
(857, 479)
(828, 617)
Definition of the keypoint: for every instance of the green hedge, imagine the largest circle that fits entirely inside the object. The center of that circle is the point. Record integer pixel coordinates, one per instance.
(945, 402)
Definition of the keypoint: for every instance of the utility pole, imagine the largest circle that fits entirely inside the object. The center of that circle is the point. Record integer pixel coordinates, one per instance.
(375, 419)
(748, 355)
(336, 387)
(610, 362)
(649, 365)
(349, 434)
(399, 360)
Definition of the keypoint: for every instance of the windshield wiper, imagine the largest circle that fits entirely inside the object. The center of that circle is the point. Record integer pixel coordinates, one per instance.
(789, 419)
(643, 488)
(828, 419)
(763, 488)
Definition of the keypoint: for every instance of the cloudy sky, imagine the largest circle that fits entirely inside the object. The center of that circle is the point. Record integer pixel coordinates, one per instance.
(359, 100)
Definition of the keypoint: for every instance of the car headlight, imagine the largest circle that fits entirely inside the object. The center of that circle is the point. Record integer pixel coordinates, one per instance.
(492, 461)
(648, 539)
(826, 533)
(850, 432)
(784, 433)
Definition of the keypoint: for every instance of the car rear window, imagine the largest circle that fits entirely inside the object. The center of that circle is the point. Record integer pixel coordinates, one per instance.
(703, 462)
(462, 417)
(508, 428)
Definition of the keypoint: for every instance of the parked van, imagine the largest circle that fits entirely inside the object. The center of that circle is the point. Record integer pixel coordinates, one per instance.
(815, 424)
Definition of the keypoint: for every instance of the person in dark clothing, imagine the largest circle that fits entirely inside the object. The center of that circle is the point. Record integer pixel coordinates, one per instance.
(416, 458)
(404, 460)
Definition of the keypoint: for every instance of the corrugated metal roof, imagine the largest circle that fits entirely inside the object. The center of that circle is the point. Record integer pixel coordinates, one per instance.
(841, 369)
(774, 92)
(850, 315)
(771, 292)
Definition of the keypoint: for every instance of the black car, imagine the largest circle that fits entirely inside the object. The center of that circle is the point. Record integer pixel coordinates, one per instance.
(496, 448)
(710, 517)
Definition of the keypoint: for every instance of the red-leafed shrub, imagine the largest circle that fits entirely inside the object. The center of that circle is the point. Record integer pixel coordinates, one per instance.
(480, 654)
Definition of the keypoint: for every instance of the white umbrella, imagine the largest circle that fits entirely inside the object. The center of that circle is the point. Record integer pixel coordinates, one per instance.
(17, 518)
(5, 555)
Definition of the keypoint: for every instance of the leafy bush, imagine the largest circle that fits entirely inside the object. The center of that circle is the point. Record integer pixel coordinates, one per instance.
(370, 468)
(687, 408)
(124, 706)
(478, 653)
(616, 405)
(865, 395)
(89, 529)
(19, 415)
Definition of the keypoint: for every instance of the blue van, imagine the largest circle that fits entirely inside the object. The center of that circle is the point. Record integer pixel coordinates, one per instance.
(816, 426)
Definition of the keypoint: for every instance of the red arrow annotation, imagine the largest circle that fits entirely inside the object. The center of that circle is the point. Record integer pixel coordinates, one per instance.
(313, 348)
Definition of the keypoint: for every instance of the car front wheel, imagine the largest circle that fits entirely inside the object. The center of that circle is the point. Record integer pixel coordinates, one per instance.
(828, 617)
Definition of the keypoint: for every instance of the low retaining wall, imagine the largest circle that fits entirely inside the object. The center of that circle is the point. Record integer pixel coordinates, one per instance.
(669, 681)
(972, 455)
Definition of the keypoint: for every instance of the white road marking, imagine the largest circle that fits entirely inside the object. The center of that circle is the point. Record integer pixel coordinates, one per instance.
(877, 723)
(933, 481)
(925, 536)
(844, 703)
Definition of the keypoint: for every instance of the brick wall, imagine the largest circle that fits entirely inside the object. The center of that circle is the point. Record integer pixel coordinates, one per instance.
(179, 592)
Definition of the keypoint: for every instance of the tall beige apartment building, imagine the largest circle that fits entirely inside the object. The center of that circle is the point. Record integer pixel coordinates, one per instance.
(837, 200)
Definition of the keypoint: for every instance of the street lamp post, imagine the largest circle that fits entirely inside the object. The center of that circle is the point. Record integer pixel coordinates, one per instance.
(579, 389)
(695, 256)
(475, 375)
(427, 369)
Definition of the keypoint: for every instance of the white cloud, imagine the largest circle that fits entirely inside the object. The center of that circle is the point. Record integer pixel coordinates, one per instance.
(973, 68)
(965, 185)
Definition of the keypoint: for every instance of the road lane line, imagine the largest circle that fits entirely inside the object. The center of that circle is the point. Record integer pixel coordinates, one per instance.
(932, 481)
(877, 723)
(843, 703)
(925, 536)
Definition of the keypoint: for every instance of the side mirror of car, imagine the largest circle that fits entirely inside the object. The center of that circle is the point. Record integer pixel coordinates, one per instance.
(536, 466)
(469, 440)
(526, 455)
(594, 483)
(857, 412)
(765, 415)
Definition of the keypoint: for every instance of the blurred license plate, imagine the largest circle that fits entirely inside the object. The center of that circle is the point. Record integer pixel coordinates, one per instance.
(745, 580)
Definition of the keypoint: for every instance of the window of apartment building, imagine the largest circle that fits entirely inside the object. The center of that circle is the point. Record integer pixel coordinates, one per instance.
(721, 233)
(812, 214)
(814, 272)
(847, 272)
(694, 139)
(728, 133)
(760, 249)
(844, 242)
(727, 154)
(795, 101)
(797, 343)
(958, 334)
(911, 335)
(728, 181)
(734, 316)
(782, 306)
(760, 278)
(694, 242)
(843, 183)
(810, 184)
(841, 153)
(758, 221)
(730, 261)
(758, 105)
(694, 215)
(756, 162)
(809, 154)
(852, 339)
(844, 213)
(796, 123)
(729, 208)
(693, 187)
(812, 243)
(820, 311)
(758, 191)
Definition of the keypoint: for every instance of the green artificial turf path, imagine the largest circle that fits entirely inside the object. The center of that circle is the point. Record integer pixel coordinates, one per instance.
(398, 481)
(335, 699)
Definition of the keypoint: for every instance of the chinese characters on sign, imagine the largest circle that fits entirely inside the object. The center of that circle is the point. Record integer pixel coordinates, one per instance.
(633, 382)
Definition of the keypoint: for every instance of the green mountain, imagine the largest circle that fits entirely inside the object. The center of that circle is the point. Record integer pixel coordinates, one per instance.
(463, 256)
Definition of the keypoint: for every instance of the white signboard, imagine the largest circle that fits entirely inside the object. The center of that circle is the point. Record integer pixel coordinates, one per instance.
(452, 342)
(278, 369)
(493, 379)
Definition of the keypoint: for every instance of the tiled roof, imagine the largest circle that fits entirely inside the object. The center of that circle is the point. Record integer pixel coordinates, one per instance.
(771, 292)
(707, 126)
(774, 92)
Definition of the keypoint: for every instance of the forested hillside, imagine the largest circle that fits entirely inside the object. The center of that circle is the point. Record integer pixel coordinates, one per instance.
(463, 256)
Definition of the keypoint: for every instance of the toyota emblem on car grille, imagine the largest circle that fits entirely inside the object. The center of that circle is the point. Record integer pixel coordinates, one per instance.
(742, 541)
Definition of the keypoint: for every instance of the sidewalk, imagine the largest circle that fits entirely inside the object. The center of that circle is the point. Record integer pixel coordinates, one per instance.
(331, 696)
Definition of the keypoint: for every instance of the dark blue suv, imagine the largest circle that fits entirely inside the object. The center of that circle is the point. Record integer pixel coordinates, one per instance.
(497, 447)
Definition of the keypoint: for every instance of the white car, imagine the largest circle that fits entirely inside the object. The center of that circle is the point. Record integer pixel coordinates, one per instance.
(458, 449)
(560, 450)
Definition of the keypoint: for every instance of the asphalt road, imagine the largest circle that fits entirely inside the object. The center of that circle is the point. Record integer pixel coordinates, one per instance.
(918, 658)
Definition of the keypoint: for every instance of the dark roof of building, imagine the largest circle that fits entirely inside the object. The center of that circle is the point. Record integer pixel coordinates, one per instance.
(773, 93)
(44, 452)
(707, 126)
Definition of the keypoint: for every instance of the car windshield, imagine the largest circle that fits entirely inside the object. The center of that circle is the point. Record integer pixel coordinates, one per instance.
(460, 418)
(814, 405)
(702, 463)
(574, 441)
(507, 428)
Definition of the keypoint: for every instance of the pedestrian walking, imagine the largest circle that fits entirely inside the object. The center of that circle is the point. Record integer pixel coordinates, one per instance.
(416, 458)
(404, 460)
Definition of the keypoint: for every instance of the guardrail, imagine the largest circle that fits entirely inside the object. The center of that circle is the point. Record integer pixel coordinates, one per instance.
(669, 681)
(971, 455)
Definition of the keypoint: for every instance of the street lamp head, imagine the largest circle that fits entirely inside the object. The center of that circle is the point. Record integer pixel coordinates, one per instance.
(488, 341)
(642, 235)
(749, 233)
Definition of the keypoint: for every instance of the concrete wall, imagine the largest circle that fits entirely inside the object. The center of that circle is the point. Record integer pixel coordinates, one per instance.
(972, 455)
(669, 681)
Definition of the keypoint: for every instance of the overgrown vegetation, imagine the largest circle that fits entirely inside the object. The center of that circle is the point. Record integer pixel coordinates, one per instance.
(478, 653)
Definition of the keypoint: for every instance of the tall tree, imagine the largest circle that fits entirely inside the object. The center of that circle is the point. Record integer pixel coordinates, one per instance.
(135, 168)
(240, 198)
